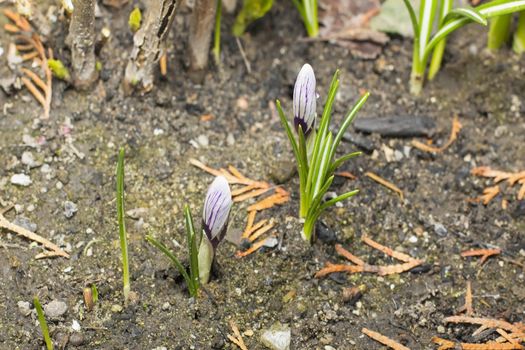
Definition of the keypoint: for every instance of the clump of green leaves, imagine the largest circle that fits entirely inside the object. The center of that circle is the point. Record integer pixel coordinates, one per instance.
(122, 225)
(191, 276)
(518, 43)
(215, 216)
(58, 69)
(452, 19)
(315, 149)
(500, 32)
(43, 324)
(308, 11)
(251, 11)
(135, 19)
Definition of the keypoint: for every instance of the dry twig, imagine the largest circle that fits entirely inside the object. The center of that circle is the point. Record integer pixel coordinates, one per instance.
(467, 308)
(236, 338)
(445, 344)
(385, 183)
(456, 127)
(384, 340)
(497, 176)
(484, 253)
(54, 249)
(29, 40)
(360, 266)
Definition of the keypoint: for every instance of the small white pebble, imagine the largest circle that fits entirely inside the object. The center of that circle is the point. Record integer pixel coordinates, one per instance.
(75, 326)
(21, 180)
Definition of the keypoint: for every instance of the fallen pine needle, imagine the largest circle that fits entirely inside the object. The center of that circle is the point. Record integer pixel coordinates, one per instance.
(346, 174)
(469, 310)
(384, 340)
(397, 255)
(343, 252)
(256, 246)
(237, 337)
(456, 127)
(497, 175)
(448, 344)
(254, 193)
(385, 183)
(163, 64)
(488, 194)
(333, 268)
(484, 253)
(254, 228)
(261, 231)
(486, 323)
(269, 202)
(55, 250)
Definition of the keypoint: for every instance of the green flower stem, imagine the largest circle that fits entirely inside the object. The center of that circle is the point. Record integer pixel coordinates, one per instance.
(217, 35)
(417, 75)
(121, 225)
(499, 31)
(43, 324)
(518, 43)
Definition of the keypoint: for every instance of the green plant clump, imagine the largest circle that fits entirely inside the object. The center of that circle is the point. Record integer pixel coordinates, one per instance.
(315, 149)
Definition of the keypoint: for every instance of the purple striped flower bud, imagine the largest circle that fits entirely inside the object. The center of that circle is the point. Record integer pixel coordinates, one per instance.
(304, 100)
(217, 210)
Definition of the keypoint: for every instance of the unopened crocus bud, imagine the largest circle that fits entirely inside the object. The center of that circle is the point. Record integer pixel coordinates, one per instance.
(214, 224)
(304, 100)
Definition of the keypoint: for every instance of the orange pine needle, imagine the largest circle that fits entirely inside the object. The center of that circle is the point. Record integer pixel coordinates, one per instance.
(397, 255)
(456, 127)
(253, 248)
(521, 193)
(469, 310)
(485, 171)
(244, 189)
(237, 337)
(346, 174)
(332, 268)
(447, 344)
(392, 269)
(237, 173)
(34, 91)
(345, 253)
(11, 28)
(487, 323)
(269, 202)
(384, 340)
(385, 183)
(251, 219)
(251, 194)
(484, 253)
(261, 231)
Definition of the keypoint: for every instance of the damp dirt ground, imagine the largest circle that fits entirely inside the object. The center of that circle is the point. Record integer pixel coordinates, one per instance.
(75, 154)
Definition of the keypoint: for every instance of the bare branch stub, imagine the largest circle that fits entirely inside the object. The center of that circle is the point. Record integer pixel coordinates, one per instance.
(82, 38)
(148, 45)
(201, 27)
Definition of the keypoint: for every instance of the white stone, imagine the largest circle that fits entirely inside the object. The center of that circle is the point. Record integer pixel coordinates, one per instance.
(278, 337)
(21, 180)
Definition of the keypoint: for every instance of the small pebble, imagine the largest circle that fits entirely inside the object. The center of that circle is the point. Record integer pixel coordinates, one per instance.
(75, 326)
(70, 209)
(76, 339)
(55, 309)
(24, 308)
(116, 308)
(21, 180)
(29, 160)
(278, 337)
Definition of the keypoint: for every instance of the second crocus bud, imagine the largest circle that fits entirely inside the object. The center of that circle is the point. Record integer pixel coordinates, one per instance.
(215, 217)
(304, 100)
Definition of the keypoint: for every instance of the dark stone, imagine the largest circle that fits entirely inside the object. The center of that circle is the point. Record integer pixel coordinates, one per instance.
(324, 233)
(396, 126)
(360, 141)
(76, 339)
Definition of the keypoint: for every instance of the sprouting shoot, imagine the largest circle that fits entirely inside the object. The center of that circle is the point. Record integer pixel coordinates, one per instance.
(315, 148)
(202, 246)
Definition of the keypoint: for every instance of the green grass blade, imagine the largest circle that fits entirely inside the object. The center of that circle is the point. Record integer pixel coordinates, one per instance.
(175, 262)
(349, 118)
(322, 131)
(467, 12)
(499, 31)
(325, 161)
(340, 198)
(288, 130)
(121, 224)
(413, 18)
(217, 33)
(518, 43)
(192, 246)
(316, 202)
(94, 293)
(43, 324)
(339, 161)
(439, 49)
(427, 13)
(488, 10)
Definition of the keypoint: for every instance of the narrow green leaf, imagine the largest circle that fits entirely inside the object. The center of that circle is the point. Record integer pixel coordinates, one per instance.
(499, 31)
(413, 18)
(340, 198)
(316, 202)
(427, 13)
(43, 324)
(192, 246)
(468, 12)
(121, 224)
(325, 161)
(251, 11)
(175, 262)
(350, 116)
(339, 161)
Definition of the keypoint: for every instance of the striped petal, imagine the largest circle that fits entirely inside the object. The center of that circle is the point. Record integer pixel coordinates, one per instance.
(304, 99)
(217, 210)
